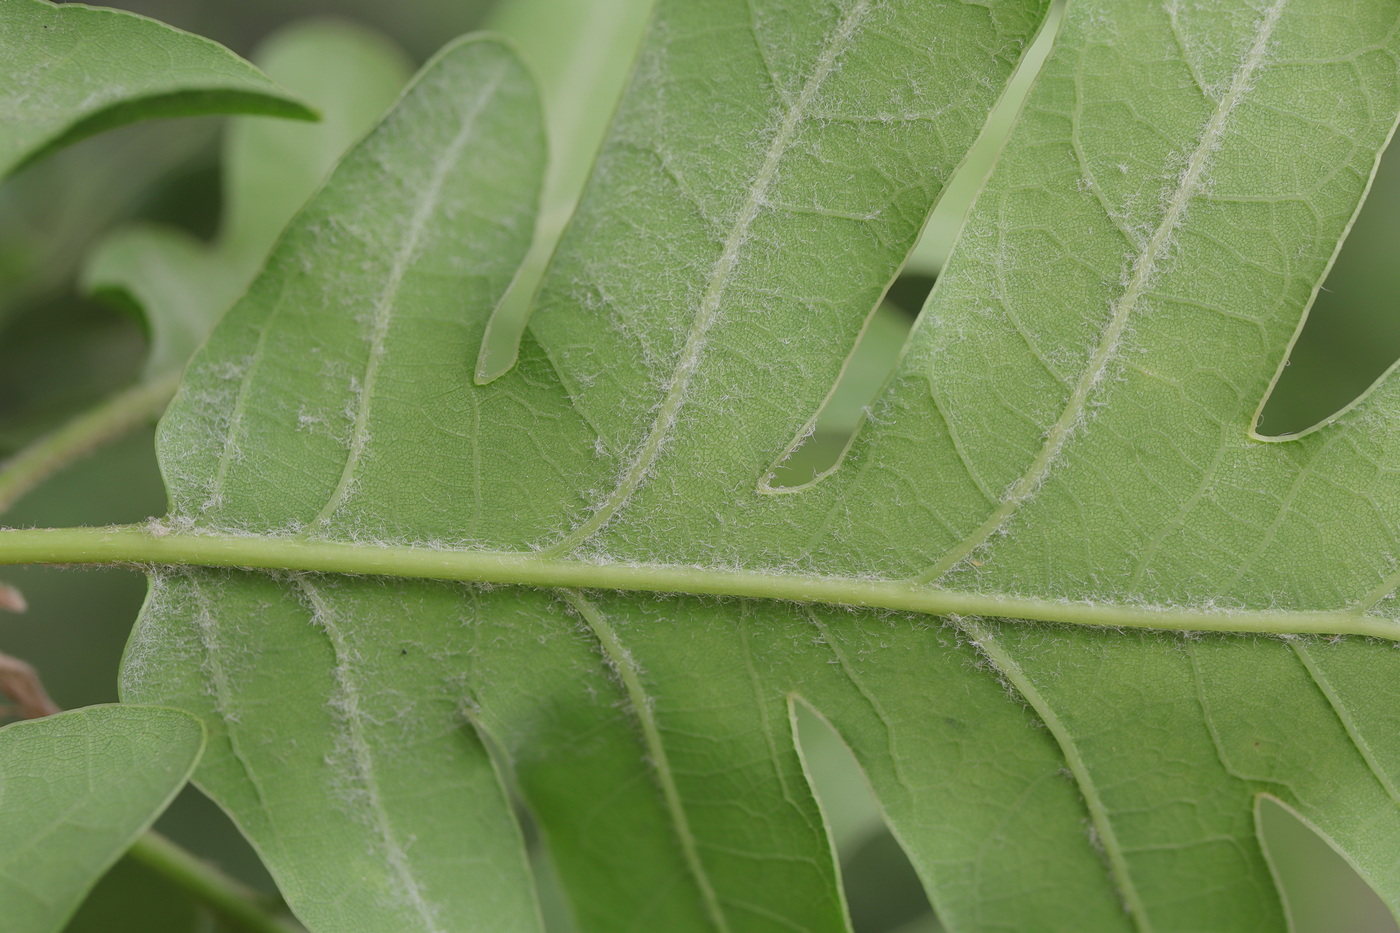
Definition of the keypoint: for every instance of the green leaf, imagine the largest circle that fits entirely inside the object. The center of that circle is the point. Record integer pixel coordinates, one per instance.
(580, 52)
(73, 70)
(374, 840)
(75, 790)
(554, 691)
(1067, 437)
(181, 285)
(132, 898)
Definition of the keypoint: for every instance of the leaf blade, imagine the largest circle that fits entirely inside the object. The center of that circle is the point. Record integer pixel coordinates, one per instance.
(180, 285)
(60, 832)
(345, 489)
(346, 793)
(45, 111)
(996, 437)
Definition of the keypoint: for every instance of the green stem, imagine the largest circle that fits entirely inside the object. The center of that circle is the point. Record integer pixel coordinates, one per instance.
(230, 899)
(154, 545)
(84, 434)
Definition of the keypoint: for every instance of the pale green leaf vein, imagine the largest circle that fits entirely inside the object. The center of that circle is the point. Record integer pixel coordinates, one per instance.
(761, 705)
(711, 308)
(1144, 270)
(156, 545)
(1383, 591)
(1113, 849)
(1339, 708)
(384, 303)
(360, 760)
(853, 676)
(1285, 511)
(621, 661)
(233, 435)
(206, 625)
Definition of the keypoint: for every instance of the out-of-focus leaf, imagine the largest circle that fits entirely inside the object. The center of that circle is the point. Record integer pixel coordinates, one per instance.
(350, 75)
(182, 285)
(75, 790)
(56, 210)
(581, 52)
(71, 71)
(132, 898)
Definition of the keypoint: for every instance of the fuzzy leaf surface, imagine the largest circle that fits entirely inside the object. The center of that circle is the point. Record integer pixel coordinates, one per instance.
(73, 70)
(1070, 425)
(432, 211)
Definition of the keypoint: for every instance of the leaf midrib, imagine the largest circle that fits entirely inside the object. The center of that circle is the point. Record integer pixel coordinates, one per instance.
(157, 545)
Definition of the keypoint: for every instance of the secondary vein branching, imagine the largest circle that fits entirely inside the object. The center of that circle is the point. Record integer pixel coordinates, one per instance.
(140, 545)
(626, 668)
(721, 275)
(1142, 273)
(384, 304)
(1113, 850)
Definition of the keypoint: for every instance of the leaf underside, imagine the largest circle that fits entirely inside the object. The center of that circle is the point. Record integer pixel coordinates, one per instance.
(1071, 419)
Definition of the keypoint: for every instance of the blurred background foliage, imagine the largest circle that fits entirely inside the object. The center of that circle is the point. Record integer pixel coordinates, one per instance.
(61, 352)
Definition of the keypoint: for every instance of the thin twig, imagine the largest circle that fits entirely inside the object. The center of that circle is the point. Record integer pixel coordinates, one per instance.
(85, 433)
(229, 898)
(20, 684)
